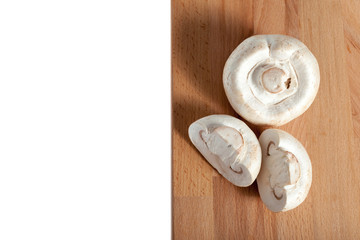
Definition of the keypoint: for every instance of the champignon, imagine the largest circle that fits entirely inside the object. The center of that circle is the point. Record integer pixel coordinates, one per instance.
(271, 79)
(286, 174)
(230, 146)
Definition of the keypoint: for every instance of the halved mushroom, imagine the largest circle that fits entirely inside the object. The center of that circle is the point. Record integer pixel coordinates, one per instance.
(271, 79)
(230, 146)
(286, 174)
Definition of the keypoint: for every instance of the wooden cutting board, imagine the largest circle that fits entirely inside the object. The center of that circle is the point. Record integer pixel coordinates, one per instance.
(204, 204)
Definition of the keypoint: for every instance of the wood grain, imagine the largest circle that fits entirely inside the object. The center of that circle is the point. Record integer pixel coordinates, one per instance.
(205, 205)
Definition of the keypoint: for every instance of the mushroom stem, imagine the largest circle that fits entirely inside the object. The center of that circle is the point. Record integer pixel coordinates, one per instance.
(284, 167)
(274, 80)
(224, 142)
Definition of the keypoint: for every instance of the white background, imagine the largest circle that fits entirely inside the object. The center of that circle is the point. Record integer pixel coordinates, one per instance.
(85, 120)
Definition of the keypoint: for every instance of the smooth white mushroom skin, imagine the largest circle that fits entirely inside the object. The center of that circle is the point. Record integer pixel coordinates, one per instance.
(230, 146)
(271, 79)
(286, 173)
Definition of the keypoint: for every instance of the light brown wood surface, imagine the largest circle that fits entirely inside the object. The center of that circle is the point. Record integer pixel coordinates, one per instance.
(205, 205)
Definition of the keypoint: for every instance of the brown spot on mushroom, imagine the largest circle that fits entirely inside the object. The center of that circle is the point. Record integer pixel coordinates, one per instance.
(239, 171)
(278, 198)
(268, 147)
(287, 83)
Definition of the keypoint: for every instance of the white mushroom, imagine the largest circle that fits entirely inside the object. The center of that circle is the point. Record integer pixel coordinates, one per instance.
(271, 79)
(230, 146)
(285, 176)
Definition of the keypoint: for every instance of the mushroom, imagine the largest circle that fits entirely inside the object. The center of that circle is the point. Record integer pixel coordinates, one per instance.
(271, 79)
(285, 176)
(230, 146)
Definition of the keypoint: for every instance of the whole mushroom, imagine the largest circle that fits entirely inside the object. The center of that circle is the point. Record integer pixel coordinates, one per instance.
(271, 79)
(229, 145)
(286, 173)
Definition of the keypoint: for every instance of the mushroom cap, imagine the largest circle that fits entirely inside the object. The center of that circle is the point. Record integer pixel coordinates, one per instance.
(271, 79)
(286, 173)
(230, 146)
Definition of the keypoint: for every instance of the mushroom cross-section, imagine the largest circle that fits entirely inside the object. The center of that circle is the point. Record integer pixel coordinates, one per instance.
(230, 146)
(271, 79)
(286, 174)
